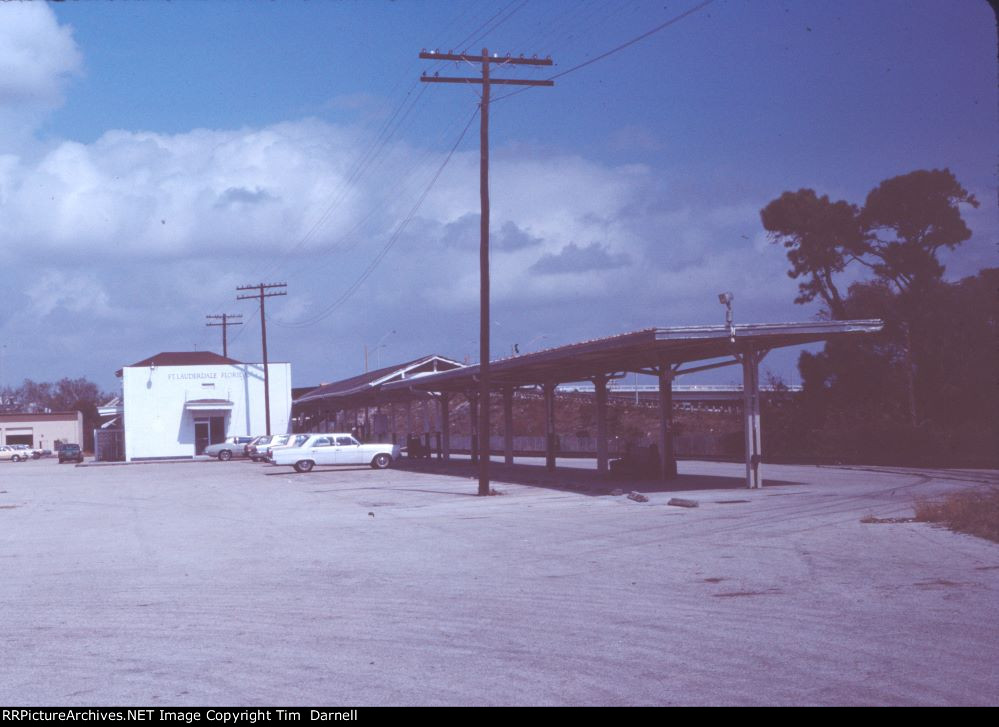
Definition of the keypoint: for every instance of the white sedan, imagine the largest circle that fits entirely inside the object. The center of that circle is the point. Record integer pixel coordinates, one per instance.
(335, 449)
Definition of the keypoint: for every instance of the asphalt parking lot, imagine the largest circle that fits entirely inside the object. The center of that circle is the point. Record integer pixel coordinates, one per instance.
(208, 583)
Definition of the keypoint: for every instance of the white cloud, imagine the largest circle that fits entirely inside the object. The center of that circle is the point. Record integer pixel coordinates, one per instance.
(36, 54)
(155, 195)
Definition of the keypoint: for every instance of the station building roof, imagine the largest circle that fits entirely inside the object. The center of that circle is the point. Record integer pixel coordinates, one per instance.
(182, 358)
(371, 381)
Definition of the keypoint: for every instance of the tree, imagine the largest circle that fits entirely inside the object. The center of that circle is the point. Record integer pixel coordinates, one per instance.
(907, 220)
(925, 388)
(821, 237)
(903, 225)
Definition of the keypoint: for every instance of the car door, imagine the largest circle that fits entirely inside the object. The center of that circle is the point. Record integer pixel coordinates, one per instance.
(323, 450)
(348, 451)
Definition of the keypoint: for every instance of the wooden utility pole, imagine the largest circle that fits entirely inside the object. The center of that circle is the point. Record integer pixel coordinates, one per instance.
(260, 288)
(225, 324)
(485, 81)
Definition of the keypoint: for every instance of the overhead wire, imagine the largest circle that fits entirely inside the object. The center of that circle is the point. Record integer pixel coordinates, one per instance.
(391, 241)
(394, 123)
(349, 240)
(346, 186)
(371, 154)
(387, 132)
(616, 49)
(482, 30)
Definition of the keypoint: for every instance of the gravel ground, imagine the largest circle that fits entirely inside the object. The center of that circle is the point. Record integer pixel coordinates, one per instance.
(208, 583)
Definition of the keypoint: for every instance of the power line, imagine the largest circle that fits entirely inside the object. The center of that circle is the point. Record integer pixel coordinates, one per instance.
(385, 249)
(612, 51)
(364, 162)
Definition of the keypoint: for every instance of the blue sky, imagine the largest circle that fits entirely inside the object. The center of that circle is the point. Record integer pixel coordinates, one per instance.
(155, 155)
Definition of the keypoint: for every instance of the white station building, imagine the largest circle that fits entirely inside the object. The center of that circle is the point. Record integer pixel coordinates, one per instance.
(176, 403)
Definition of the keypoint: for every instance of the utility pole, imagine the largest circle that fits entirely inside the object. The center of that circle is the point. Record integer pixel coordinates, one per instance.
(260, 288)
(225, 324)
(486, 82)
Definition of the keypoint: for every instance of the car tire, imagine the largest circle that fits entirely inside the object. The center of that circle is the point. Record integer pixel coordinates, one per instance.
(381, 461)
(15, 458)
(304, 465)
(225, 455)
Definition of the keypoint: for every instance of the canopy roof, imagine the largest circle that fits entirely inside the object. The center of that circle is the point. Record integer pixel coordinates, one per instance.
(684, 348)
(643, 350)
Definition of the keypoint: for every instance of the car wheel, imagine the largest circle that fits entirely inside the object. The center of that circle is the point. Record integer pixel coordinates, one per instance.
(381, 461)
(304, 465)
(15, 458)
(225, 455)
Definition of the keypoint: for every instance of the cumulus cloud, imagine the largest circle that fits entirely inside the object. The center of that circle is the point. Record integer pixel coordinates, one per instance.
(36, 54)
(575, 259)
(156, 195)
(511, 238)
(160, 229)
(244, 196)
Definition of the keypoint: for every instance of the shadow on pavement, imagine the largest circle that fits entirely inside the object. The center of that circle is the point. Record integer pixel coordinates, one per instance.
(583, 481)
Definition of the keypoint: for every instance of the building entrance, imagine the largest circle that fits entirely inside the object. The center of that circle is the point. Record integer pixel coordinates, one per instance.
(207, 431)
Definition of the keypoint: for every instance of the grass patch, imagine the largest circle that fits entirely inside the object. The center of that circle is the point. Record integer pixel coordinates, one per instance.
(972, 511)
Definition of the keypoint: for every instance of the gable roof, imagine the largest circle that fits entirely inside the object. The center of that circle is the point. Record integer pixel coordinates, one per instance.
(418, 367)
(182, 358)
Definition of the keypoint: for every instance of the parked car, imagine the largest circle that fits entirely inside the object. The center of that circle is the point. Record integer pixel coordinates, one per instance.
(27, 451)
(232, 447)
(335, 449)
(257, 449)
(7, 452)
(285, 440)
(70, 453)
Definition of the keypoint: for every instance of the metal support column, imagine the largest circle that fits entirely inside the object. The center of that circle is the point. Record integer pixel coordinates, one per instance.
(445, 427)
(600, 389)
(667, 459)
(508, 424)
(751, 407)
(549, 390)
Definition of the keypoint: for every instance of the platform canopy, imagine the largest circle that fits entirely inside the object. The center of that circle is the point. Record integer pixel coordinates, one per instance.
(642, 351)
(661, 352)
